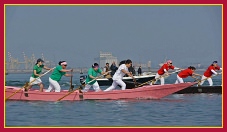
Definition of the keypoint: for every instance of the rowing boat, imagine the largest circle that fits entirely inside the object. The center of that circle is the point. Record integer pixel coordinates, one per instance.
(144, 92)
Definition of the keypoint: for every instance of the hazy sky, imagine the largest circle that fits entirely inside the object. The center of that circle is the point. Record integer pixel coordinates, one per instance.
(184, 34)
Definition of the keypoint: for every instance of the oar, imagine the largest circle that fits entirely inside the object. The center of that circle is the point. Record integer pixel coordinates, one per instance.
(80, 87)
(208, 78)
(145, 83)
(71, 86)
(196, 79)
(27, 84)
(136, 84)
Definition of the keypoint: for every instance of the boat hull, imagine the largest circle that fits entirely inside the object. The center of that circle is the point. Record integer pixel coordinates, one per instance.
(145, 92)
(201, 89)
(189, 90)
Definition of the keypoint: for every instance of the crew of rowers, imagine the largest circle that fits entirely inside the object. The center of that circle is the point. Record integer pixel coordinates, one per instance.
(120, 72)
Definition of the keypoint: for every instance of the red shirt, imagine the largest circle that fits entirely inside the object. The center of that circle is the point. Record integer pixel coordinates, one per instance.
(165, 66)
(185, 73)
(208, 72)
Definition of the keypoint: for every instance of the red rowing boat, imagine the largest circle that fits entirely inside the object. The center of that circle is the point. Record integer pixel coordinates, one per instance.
(144, 92)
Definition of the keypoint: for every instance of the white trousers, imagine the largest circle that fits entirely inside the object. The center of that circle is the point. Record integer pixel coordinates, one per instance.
(37, 81)
(95, 87)
(179, 80)
(208, 79)
(157, 76)
(115, 83)
(53, 85)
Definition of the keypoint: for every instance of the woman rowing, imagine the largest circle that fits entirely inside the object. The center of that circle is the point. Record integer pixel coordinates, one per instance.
(185, 73)
(37, 70)
(208, 73)
(118, 76)
(164, 71)
(92, 74)
(55, 77)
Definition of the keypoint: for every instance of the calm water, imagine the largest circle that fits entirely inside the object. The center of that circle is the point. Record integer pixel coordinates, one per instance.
(201, 110)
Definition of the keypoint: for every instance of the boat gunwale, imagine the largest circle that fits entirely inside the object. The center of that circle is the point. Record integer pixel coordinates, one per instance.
(116, 91)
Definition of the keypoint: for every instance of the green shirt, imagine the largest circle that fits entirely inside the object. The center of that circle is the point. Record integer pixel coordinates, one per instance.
(38, 70)
(57, 73)
(94, 73)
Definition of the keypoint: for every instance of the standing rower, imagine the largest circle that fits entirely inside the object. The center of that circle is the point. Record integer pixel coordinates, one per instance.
(208, 73)
(164, 70)
(55, 77)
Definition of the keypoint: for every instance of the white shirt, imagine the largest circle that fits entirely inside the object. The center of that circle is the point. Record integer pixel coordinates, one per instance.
(214, 72)
(119, 74)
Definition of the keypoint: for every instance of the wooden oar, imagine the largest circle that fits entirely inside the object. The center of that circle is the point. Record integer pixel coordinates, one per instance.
(71, 80)
(136, 84)
(80, 87)
(27, 84)
(145, 83)
(196, 79)
(208, 78)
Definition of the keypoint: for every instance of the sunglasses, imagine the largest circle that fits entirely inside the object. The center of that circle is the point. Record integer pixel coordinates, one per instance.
(170, 63)
(65, 65)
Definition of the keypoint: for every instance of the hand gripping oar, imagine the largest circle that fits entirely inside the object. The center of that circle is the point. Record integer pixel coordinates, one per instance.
(208, 78)
(27, 84)
(80, 87)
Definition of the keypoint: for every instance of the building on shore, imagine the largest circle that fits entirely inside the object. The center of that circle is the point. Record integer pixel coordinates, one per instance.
(15, 65)
(105, 57)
